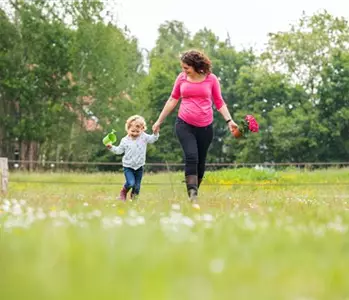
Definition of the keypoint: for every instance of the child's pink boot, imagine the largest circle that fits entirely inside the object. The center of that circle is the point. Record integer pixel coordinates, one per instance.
(123, 194)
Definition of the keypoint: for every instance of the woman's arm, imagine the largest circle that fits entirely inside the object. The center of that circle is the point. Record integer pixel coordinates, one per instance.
(226, 115)
(171, 103)
(220, 104)
(168, 108)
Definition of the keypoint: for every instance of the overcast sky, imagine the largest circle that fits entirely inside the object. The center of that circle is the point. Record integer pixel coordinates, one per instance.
(247, 21)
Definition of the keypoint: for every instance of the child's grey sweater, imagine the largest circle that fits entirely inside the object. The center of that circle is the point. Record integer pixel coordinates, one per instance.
(134, 149)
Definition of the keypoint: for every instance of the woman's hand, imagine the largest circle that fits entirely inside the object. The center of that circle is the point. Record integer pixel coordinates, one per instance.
(232, 126)
(156, 127)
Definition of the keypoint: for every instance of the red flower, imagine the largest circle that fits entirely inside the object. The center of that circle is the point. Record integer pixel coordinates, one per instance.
(252, 123)
(249, 124)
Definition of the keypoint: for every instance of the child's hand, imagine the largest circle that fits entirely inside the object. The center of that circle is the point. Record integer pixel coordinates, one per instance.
(156, 127)
(109, 146)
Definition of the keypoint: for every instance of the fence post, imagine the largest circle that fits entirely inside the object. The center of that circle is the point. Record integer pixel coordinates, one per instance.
(3, 174)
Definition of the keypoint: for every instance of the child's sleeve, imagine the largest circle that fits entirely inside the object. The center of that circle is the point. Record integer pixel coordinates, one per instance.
(151, 138)
(119, 149)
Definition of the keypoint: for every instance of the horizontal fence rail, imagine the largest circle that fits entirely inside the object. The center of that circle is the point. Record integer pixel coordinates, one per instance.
(217, 164)
(179, 183)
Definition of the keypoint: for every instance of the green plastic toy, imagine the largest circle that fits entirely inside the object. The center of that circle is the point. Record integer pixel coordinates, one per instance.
(110, 138)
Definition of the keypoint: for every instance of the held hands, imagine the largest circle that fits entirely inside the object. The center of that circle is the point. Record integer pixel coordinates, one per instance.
(156, 127)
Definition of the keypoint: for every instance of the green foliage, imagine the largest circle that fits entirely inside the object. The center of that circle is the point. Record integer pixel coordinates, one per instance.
(334, 107)
(69, 74)
(307, 47)
(64, 76)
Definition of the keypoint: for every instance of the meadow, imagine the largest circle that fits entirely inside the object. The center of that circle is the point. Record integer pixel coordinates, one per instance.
(259, 234)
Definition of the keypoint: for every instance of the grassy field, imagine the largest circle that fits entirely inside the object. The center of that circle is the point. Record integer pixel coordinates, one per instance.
(259, 234)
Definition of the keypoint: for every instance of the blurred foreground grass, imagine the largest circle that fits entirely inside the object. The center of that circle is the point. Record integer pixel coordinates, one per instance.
(260, 234)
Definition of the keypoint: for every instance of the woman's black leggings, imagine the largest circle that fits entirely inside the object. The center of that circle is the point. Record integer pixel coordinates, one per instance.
(195, 142)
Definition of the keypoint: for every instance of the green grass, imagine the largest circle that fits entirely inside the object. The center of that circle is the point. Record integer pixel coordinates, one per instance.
(258, 235)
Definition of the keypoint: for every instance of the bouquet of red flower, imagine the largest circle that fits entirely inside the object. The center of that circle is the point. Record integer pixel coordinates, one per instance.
(249, 124)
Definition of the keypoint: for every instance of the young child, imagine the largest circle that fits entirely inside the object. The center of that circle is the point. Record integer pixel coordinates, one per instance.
(134, 147)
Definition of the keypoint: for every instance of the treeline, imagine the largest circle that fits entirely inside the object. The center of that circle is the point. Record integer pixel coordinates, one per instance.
(69, 74)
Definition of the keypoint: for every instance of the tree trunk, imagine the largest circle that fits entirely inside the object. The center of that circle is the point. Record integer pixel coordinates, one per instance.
(33, 155)
(23, 155)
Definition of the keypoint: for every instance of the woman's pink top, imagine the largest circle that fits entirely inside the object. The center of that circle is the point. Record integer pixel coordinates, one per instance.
(197, 98)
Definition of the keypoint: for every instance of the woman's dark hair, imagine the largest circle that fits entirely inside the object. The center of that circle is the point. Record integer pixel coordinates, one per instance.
(198, 60)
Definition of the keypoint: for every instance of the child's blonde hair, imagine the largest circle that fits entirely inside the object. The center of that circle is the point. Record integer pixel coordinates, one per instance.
(138, 119)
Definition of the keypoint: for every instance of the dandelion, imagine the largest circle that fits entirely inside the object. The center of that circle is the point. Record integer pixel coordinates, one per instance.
(140, 220)
(53, 214)
(217, 265)
(16, 210)
(188, 222)
(176, 207)
(207, 218)
(40, 214)
(196, 206)
(97, 213)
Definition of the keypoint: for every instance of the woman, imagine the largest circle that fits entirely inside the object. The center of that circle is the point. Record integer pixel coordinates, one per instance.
(197, 86)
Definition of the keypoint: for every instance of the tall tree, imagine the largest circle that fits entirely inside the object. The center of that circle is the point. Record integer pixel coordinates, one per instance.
(306, 49)
(9, 67)
(67, 74)
(334, 108)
